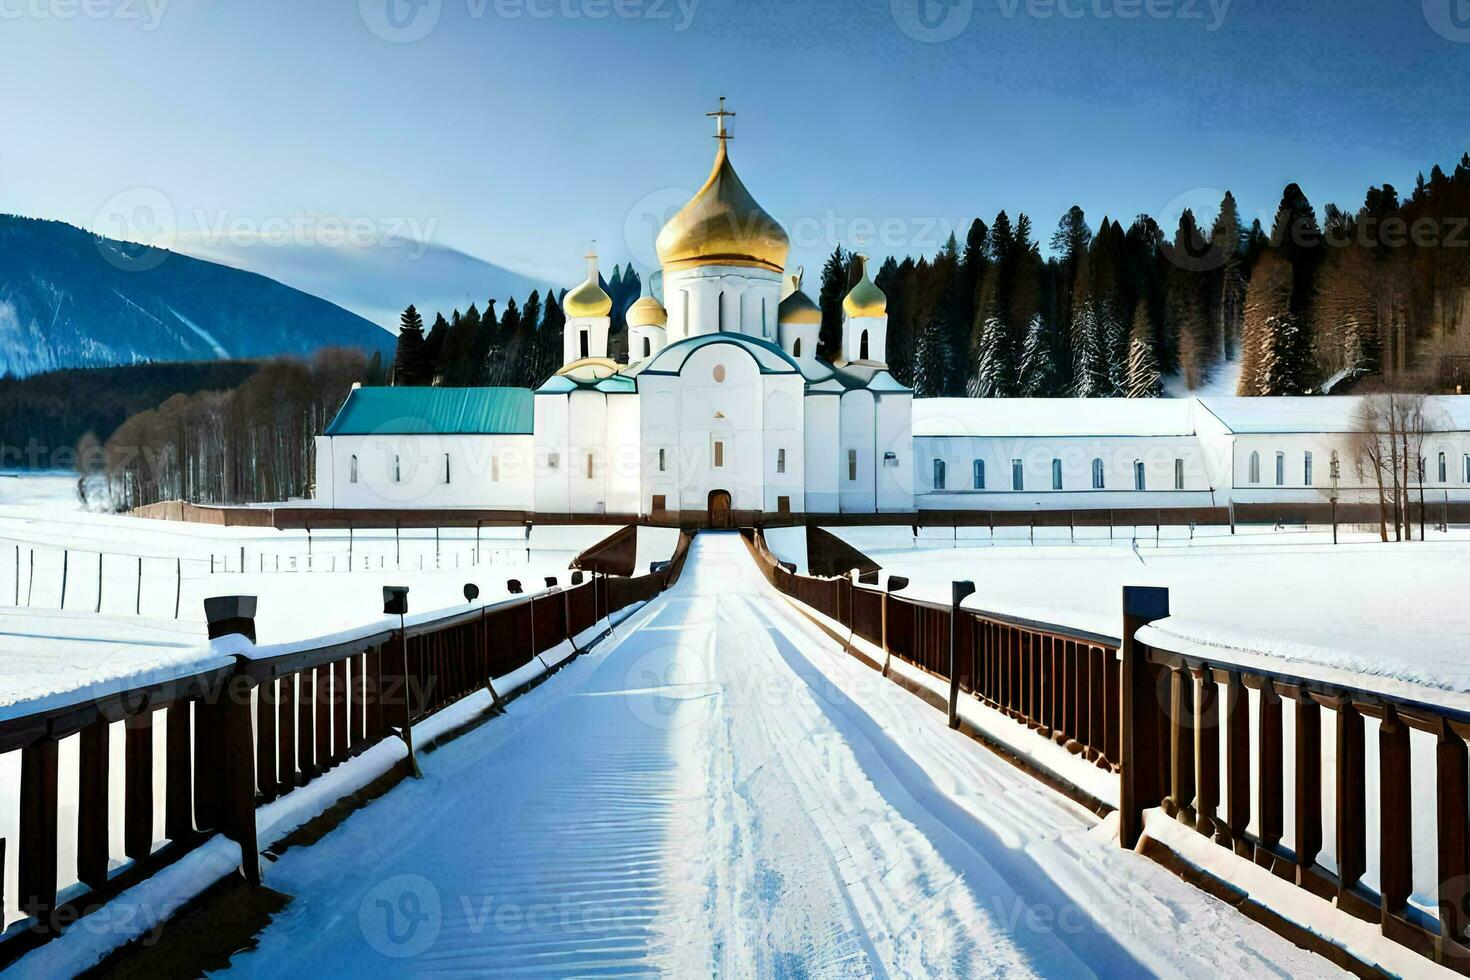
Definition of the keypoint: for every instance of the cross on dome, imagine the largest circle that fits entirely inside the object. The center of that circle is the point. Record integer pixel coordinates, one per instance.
(719, 116)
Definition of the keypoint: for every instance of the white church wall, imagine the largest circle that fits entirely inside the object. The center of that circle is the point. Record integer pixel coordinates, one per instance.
(553, 490)
(707, 299)
(823, 446)
(473, 472)
(857, 465)
(1021, 472)
(659, 424)
(785, 449)
(728, 414)
(894, 435)
(587, 457)
(625, 458)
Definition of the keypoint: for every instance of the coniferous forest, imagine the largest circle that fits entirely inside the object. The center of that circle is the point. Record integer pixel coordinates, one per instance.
(1319, 299)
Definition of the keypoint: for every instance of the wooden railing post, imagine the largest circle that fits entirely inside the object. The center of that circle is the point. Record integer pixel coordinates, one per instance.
(958, 593)
(1351, 806)
(1206, 751)
(1453, 797)
(230, 708)
(1139, 783)
(1396, 859)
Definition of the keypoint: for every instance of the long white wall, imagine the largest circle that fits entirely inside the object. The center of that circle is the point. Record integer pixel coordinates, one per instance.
(426, 471)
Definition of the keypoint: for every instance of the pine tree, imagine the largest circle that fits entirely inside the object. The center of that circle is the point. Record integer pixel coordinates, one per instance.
(504, 367)
(1143, 367)
(411, 364)
(1272, 334)
(835, 287)
(931, 360)
(1093, 363)
(1187, 300)
(1070, 241)
(486, 339)
(1037, 371)
(1227, 290)
(533, 368)
(434, 346)
(459, 368)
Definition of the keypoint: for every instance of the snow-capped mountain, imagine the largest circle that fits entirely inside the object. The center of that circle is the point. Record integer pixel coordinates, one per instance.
(69, 298)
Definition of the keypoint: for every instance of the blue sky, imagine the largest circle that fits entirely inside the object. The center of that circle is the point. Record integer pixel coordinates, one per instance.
(518, 130)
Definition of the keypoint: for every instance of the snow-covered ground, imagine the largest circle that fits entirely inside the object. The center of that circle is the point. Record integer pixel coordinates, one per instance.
(721, 790)
(1393, 612)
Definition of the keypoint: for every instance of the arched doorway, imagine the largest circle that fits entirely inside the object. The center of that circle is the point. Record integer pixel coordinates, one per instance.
(719, 509)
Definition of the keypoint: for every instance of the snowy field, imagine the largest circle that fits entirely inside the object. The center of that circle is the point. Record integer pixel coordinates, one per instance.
(92, 599)
(1395, 612)
(722, 791)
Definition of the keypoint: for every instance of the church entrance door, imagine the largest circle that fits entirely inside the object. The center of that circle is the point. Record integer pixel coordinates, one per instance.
(719, 509)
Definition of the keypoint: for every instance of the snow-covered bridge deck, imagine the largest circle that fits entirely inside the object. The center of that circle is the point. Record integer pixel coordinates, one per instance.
(720, 789)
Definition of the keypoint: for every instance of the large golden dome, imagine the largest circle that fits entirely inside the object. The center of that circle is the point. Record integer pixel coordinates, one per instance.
(723, 225)
(589, 299)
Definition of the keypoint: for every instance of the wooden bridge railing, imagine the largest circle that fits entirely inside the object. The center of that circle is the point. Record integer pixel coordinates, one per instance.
(1200, 703)
(1062, 683)
(245, 731)
(1163, 719)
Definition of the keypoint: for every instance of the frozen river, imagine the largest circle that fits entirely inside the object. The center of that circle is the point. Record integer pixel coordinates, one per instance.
(721, 790)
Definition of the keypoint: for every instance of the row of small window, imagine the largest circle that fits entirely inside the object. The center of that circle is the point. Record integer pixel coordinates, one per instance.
(1018, 475)
(1442, 472)
(398, 470)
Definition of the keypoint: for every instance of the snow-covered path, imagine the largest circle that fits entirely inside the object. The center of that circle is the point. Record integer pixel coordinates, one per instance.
(721, 790)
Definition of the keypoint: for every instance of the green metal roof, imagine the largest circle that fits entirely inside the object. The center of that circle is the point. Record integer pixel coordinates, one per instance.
(435, 411)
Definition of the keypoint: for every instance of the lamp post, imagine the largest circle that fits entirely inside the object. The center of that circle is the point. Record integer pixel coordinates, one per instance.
(395, 603)
(1336, 490)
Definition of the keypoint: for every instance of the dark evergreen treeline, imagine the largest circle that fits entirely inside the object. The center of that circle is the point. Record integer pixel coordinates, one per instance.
(519, 347)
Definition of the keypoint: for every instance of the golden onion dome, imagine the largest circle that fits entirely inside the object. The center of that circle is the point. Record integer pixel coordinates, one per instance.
(648, 312)
(723, 225)
(589, 299)
(797, 307)
(866, 299)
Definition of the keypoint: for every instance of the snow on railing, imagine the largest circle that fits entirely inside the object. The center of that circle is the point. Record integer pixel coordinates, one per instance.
(260, 722)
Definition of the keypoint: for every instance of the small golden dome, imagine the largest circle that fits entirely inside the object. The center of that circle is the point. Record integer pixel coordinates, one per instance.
(866, 299)
(723, 225)
(797, 307)
(648, 312)
(588, 299)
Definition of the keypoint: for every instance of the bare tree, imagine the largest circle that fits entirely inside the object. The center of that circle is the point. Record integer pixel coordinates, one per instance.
(1389, 447)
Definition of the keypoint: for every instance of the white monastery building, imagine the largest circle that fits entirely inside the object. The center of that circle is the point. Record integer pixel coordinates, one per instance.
(725, 406)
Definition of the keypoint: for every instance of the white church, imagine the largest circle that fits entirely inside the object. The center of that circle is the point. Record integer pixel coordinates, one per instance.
(724, 406)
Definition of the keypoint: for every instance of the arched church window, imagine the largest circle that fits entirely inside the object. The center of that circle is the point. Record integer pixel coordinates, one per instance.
(1255, 470)
(939, 474)
(863, 347)
(719, 374)
(647, 348)
(352, 475)
(397, 470)
(977, 474)
(1098, 476)
(796, 348)
(720, 312)
(585, 341)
